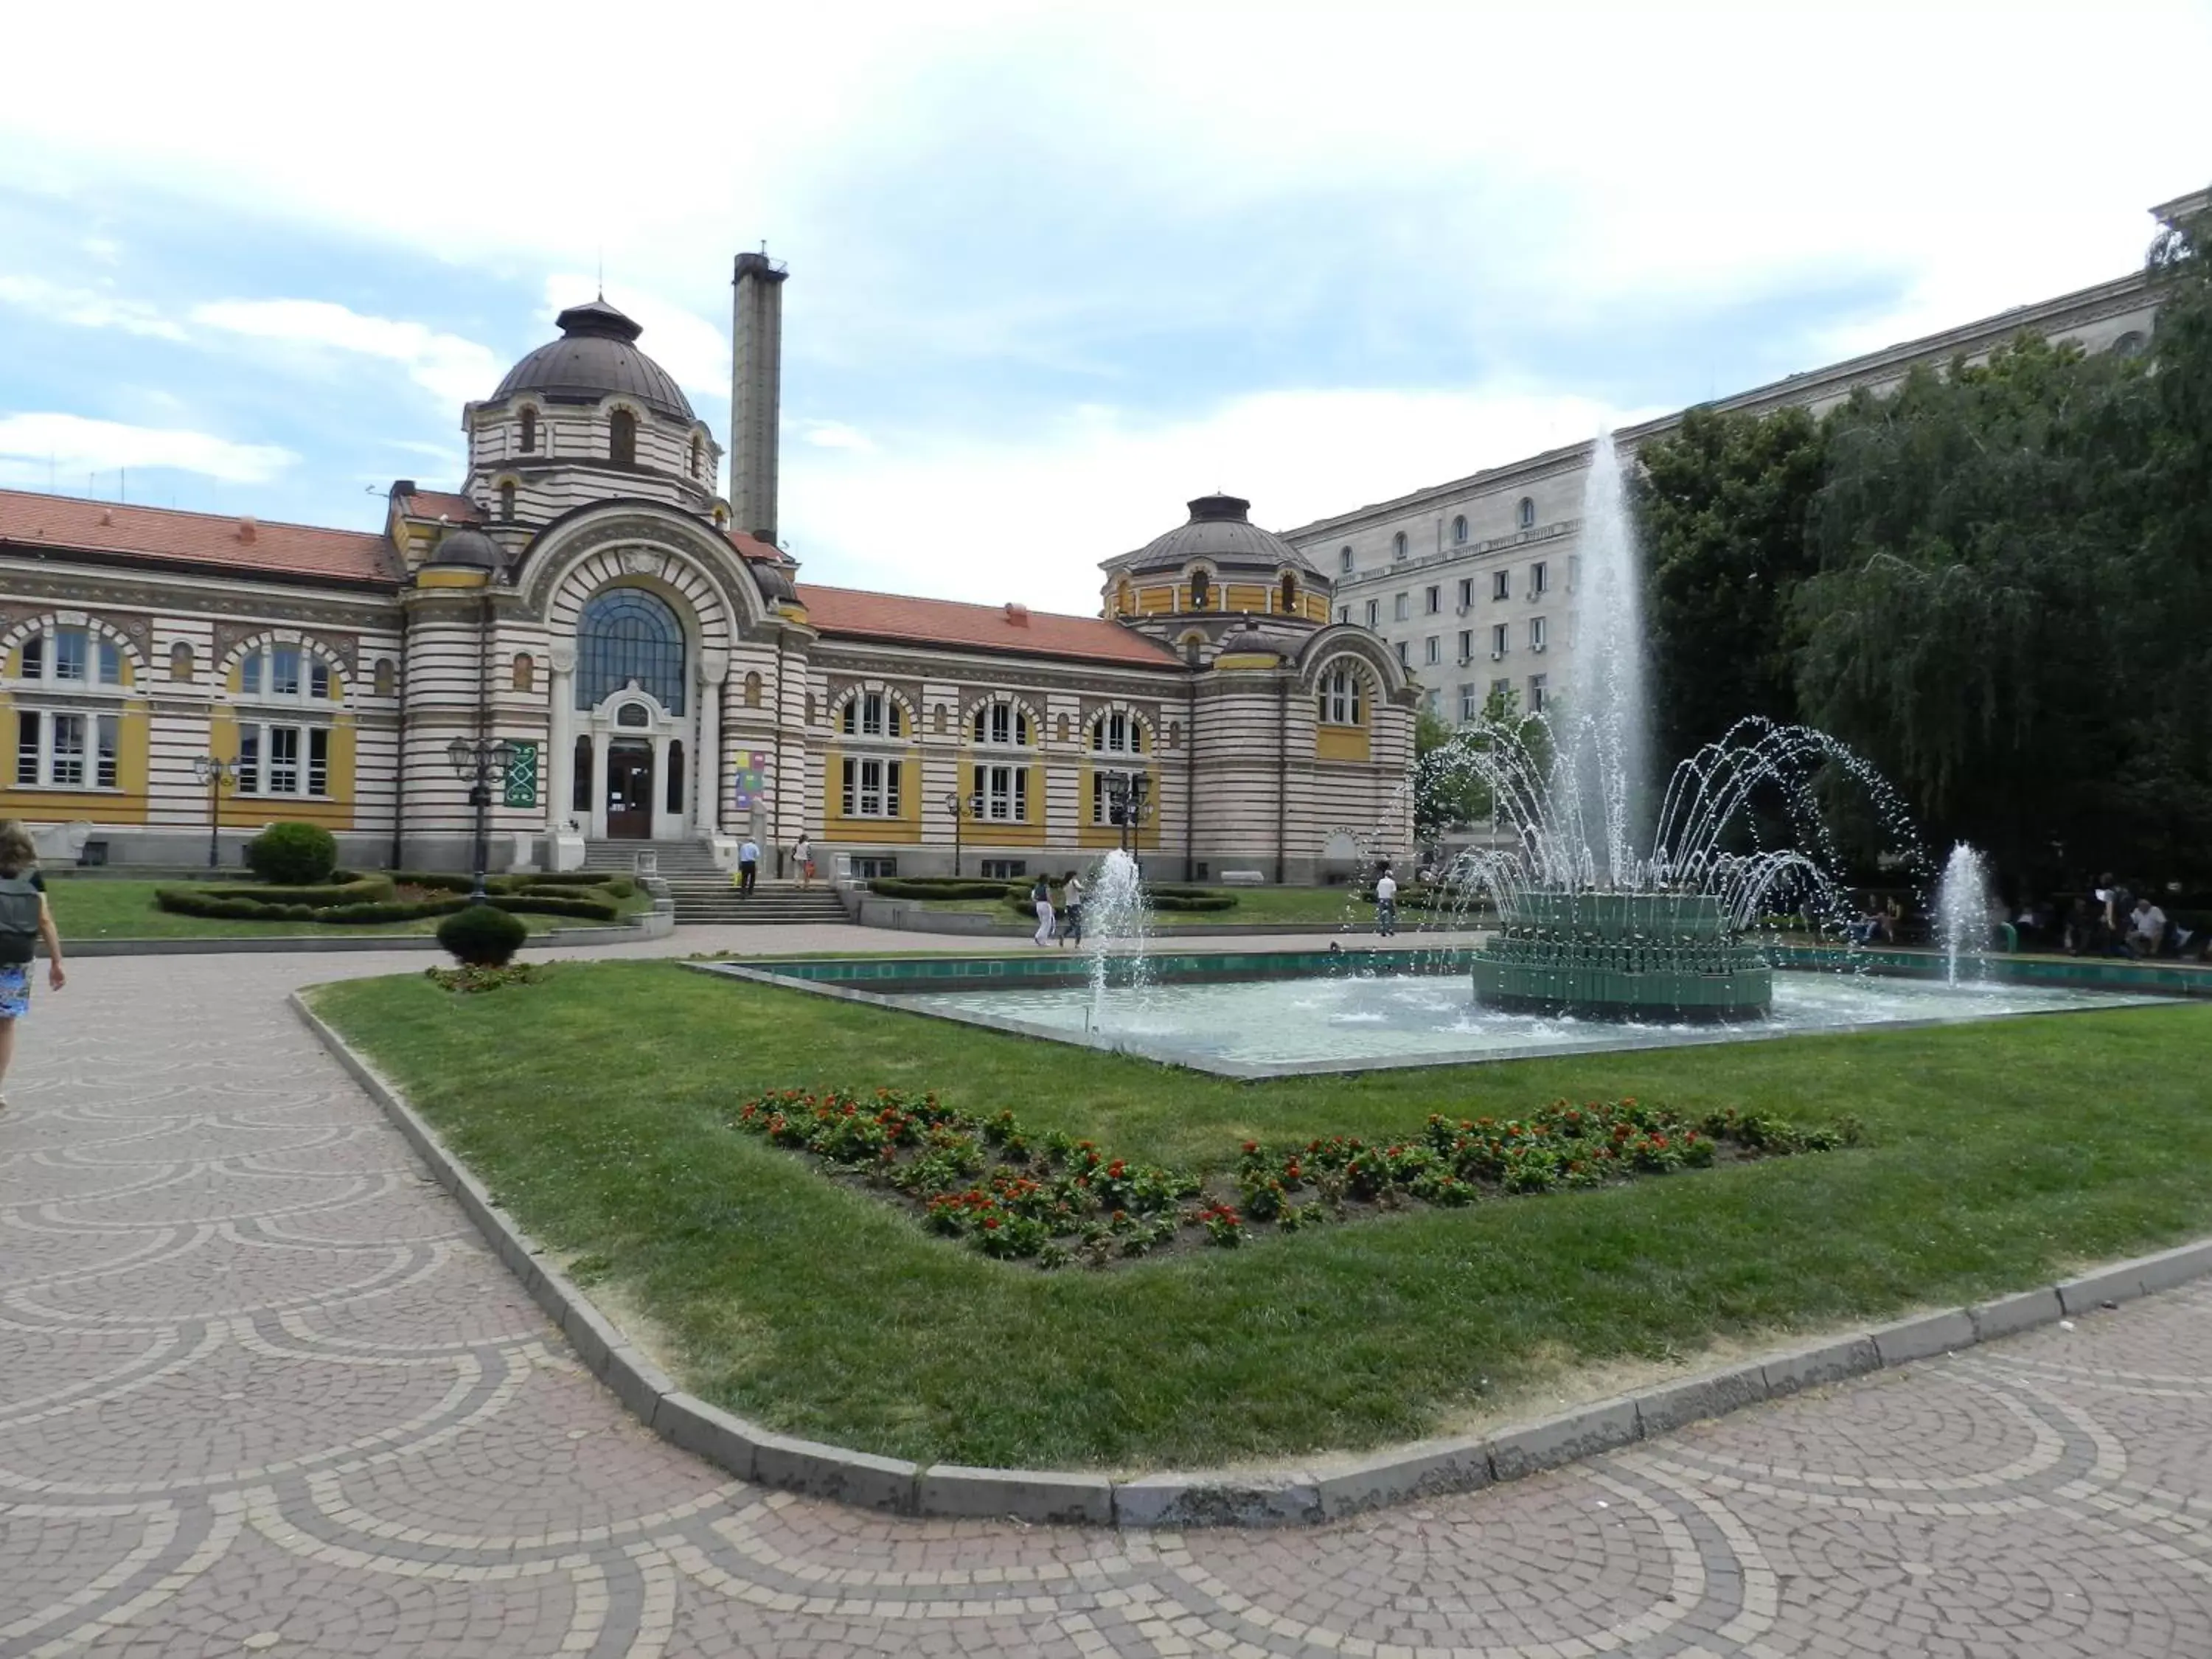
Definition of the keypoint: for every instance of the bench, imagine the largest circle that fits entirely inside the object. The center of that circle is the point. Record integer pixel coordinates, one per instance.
(1244, 879)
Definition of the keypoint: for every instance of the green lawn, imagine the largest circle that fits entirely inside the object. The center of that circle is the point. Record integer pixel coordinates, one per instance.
(1321, 908)
(2000, 1154)
(95, 907)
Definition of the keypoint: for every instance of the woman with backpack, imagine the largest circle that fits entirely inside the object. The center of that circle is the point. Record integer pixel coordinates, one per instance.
(25, 919)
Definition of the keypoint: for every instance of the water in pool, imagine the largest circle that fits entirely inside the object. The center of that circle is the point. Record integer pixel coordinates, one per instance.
(1350, 1022)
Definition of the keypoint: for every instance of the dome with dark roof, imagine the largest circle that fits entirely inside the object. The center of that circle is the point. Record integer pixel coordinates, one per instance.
(468, 547)
(596, 357)
(1258, 638)
(1220, 531)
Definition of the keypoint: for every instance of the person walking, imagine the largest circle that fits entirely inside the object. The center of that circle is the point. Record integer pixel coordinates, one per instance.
(25, 919)
(1071, 910)
(1041, 897)
(748, 867)
(802, 856)
(1386, 903)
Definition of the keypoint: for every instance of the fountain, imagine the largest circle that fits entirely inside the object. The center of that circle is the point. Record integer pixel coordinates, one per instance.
(1962, 912)
(1114, 913)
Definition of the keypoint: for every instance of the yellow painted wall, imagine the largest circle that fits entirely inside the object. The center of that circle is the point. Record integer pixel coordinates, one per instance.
(1341, 743)
(125, 804)
(905, 829)
(1155, 601)
(333, 812)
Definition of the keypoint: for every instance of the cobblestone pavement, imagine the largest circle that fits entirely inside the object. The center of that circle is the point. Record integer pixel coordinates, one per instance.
(262, 1390)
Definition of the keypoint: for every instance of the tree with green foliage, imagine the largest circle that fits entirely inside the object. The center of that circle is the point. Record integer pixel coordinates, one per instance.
(1447, 792)
(1721, 505)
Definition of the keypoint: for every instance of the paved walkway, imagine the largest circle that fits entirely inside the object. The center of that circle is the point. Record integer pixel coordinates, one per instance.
(262, 1390)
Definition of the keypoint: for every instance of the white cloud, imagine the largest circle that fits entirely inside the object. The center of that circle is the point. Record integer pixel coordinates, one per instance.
(452, 368)
(70, 443)
(836, 434)
(82, 307)
(684, 344)
(951, 517)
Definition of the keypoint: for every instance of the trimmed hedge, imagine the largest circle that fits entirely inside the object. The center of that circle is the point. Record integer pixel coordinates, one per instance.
(937, 887)
(527, 881)
(299, 854)
(355, 889)
(1160, 898)
(481, 936)
(247, 904)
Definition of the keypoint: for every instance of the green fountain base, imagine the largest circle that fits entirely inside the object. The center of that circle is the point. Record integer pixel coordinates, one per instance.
(1621, 955)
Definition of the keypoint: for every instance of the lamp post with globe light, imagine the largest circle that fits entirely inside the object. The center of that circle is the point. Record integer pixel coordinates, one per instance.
(477, 762)
(214, 774)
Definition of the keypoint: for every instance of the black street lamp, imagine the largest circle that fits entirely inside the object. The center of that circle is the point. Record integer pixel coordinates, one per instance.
(1127, 795)
(952, 806)
(477, 762)
(214, 774)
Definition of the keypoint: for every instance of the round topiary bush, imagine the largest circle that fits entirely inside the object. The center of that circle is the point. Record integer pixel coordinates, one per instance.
(294, 854)
(483, 937)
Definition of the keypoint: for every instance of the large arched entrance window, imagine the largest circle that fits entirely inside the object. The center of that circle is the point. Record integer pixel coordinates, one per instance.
(626, 633)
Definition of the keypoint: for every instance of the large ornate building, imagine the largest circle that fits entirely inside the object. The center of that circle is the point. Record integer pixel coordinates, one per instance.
(660, 673)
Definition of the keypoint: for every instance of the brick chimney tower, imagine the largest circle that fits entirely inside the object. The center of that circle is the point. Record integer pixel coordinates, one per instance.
(756, 392)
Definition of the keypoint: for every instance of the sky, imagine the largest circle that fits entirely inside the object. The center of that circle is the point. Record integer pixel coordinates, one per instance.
(1056, 270)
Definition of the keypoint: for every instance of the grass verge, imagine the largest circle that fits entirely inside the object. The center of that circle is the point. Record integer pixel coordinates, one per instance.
(592, 1104)
(97, 907)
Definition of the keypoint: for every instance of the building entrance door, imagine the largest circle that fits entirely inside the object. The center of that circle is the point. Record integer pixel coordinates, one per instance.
(629, 790)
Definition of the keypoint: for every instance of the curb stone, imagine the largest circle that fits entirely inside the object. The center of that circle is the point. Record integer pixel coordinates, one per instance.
(1262, 1498)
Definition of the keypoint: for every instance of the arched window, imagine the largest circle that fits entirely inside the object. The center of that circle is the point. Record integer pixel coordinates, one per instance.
(1459, 531)
(1528, 513)
(752, 691)
(1398, 545)
(529, 431)
(622, 438)
(1341, 701)
(180, 661)
(873, 715)
(1194, 648)
(1002, 723)
(506, 503)
(525, 671)
(1344, 560)
(1290, 593)
(694, 454)
(387, 678)
(1116, 733)
(1201, 589)
(626, 633)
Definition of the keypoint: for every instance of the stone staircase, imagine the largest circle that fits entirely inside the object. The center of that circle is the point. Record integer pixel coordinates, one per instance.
(703, 894)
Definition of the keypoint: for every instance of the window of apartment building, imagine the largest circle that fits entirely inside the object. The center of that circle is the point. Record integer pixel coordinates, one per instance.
(1402, 607)
(1431, 649)
(872, 788)
(1432, 702)
(1374, 612)
(1466, 594)
(1398, 545)
(1501, 584)
(1501, 689)
(1002, 723)
(873, 715)
(1498, 640)
(1469, 704)
(1434, 600)
(1404, 660)
(276, 759)
(1344, 560)
(61, 750)
(1535, 693)
(1002, 793)
(1528, 513)
(1459, 531)
(1540, 578)
(1343, 614)
(1536, 633)
(1466, 644)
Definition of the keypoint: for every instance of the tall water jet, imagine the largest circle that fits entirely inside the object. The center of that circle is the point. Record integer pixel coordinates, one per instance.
(1602, 775)
(1962, 912)
(1115, 913)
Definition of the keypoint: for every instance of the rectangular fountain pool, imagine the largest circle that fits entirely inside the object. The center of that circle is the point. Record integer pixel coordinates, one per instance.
(1359, 1022)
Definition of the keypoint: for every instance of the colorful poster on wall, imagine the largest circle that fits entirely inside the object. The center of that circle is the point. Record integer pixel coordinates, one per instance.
(751, 780)
(522, 775)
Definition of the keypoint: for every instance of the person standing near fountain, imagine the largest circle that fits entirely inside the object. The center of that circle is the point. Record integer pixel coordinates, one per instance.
(1071, 910)
(1386, 903)
(1041, 898)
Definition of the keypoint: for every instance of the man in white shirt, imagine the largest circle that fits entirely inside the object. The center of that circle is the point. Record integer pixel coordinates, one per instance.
(2146, 928)
(1386, 903)
(748, 865)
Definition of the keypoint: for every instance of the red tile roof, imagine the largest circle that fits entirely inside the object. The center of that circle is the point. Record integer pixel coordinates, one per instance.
(752, 547)
(844, 612)
(440, 504)
(108, 531)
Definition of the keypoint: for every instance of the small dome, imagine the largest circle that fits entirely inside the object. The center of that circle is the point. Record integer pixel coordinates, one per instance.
(1255, 638)
(774, 582)
(1221, 530)
(596, 356)
(467, 548)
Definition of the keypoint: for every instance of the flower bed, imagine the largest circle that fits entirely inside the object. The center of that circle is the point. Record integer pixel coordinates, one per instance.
(1056, 1200)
